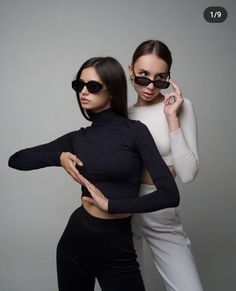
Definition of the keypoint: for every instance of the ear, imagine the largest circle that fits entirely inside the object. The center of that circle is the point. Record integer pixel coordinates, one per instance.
(131, 73)
(130, 68)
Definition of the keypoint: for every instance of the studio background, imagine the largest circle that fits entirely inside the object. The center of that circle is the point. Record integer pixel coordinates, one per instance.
(43, 43)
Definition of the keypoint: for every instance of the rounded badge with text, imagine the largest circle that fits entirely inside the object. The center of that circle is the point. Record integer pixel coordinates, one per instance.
(215, 14)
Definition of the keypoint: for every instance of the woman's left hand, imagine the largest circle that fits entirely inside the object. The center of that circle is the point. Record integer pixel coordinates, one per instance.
(173, 101)
(97, 198)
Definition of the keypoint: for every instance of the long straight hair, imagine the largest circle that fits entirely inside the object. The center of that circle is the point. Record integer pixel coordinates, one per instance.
(156, 47)
(112, 75)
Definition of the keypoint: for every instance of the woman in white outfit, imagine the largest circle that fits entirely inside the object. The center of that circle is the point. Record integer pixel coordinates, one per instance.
(172, 123)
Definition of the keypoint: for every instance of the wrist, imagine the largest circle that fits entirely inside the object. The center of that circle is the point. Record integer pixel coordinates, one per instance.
(60, 157)
(173, 123)
(172, 116)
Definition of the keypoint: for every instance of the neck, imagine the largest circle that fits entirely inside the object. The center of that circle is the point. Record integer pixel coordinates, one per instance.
(97, 110)
(102, 117)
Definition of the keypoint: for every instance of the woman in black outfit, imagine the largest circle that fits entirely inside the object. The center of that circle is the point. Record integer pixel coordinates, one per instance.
(97, 241)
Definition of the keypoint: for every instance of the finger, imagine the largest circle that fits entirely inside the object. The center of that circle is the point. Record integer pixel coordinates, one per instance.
(81, 178)
(76, 160)
(166, 97)
(79, 162)
(90, 186)
(171, 98)
(88, 199)
(85, 180)
(175, 87)
(76, 178)
(88, 182)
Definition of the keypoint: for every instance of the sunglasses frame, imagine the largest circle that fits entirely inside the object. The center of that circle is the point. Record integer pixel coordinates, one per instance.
(80, 83)
(165, 85)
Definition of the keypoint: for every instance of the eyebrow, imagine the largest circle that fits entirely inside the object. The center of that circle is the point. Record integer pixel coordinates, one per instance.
(147, 72)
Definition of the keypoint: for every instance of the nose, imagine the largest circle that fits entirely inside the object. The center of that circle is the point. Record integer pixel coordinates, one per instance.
(84, 91)
(150, 86)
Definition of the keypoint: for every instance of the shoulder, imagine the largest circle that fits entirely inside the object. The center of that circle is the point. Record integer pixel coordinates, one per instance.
(187, 108)
(70, 135)
(133, 125)
(187, 104)
(130, 108)
(138, 128)
(76, 133)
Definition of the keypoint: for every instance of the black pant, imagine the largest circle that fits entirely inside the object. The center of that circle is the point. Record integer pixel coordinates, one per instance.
(92, 248)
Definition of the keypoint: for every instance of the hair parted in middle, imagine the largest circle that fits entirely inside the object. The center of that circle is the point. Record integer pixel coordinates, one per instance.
(113, 76)
(157, 47)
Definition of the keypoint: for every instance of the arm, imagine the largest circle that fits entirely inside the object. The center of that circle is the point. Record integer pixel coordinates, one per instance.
(165, 196)
(41, 156)
(182, 134)
(183, 142)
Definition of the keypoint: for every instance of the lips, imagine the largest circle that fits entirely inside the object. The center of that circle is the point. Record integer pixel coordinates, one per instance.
(84, 100)
(148, 95)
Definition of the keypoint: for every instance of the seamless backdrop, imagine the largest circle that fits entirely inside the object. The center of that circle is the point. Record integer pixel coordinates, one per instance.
(43, 43)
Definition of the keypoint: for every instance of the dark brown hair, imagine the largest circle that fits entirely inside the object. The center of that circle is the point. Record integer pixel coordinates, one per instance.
(156, 47)
(112, 75)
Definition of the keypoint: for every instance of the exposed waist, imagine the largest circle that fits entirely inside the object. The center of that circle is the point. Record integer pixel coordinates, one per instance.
(99, 213)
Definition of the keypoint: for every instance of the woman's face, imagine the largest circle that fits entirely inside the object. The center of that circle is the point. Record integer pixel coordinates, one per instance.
(93, 101)
(153, 68)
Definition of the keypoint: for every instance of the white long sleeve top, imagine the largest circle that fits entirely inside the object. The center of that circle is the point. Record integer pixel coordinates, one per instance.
(178, 148)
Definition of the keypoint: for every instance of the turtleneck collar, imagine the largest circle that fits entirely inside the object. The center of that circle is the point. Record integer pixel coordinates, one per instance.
(102, 117)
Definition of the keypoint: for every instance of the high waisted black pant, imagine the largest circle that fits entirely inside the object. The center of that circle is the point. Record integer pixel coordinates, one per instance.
(92, 248)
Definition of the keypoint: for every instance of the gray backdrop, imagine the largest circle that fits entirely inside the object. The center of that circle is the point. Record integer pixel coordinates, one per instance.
(42, 45)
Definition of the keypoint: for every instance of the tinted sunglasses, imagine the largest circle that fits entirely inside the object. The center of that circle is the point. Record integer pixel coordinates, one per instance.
(158, 83)
(92, 86)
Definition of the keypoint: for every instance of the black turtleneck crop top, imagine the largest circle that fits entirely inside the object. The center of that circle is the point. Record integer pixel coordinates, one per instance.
(114, 151)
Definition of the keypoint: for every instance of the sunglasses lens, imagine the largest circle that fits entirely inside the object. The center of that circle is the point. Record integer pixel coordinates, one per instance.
(74, 85)
(141, 81)
(78, 85)
(161, 84)
(94, 87)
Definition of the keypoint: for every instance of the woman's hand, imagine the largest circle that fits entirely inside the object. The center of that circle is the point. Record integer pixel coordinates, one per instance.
(97, 198)
(69, 162)
(173, 101)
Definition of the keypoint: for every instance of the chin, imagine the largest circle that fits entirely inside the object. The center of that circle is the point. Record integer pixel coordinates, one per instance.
(87, 107)
(148, 99)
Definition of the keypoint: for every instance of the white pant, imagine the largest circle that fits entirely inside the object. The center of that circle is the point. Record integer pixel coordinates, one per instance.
(169, 246)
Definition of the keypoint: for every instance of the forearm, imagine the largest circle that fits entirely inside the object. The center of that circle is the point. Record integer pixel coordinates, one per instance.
(42, 156)
(157, 200)
(183, 142)
(26, 160)
(185, 160)
(173, 122)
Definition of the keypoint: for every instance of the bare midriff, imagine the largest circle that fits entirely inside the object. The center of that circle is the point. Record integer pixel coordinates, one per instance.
(99, 213)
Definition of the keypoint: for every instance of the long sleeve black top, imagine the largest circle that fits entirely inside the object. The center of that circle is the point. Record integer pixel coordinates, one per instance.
(114, 151)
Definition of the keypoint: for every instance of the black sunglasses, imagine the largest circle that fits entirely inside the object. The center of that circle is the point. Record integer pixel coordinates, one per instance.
(92, 86)
(158, 83)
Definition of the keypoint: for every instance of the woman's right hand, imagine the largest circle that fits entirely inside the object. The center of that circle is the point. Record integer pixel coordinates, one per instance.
(69, 162)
